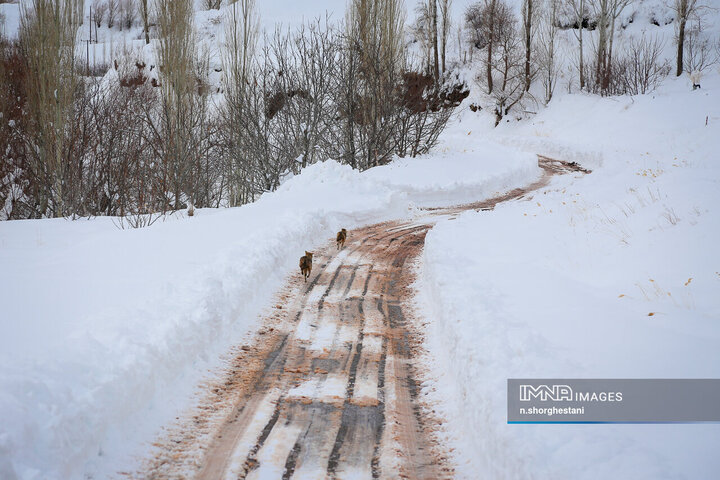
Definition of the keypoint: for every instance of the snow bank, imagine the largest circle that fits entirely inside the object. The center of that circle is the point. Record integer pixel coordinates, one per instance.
(106, 332)
(481, 170)
(611, 275)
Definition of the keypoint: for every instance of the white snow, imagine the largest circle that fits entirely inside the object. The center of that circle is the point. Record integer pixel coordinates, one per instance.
(611, 275)
(105, 332)
(469, 167)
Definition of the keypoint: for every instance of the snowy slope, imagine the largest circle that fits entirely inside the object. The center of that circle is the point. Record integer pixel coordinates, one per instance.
(611, 275)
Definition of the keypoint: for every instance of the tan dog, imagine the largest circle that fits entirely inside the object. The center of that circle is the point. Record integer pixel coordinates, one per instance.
(306, 264)
(341, 236)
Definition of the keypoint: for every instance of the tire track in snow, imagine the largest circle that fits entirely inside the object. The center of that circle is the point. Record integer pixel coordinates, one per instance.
(330, 389)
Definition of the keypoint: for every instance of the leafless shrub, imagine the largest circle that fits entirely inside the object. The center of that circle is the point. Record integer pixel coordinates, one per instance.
(642, 67)
(113, 11)
(137, 220)
(426, 109)
(99, 9)
(98, 69)
(476, 25)
(699, 54)
(16, 181)
(127, 13)
(212, 4)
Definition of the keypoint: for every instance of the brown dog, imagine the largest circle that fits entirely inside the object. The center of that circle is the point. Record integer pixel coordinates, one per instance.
(341, 236)
(306, 264)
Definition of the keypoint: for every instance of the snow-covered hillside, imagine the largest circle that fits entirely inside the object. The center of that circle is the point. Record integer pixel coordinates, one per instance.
(610, 275)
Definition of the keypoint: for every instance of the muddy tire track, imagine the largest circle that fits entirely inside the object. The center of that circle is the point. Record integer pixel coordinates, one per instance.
(328, 388)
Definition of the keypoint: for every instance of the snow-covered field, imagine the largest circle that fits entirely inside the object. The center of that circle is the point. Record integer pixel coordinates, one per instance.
(611, 275)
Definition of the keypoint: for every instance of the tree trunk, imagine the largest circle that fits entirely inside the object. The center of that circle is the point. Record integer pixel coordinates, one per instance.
(608, 65)
(490, 46)
(582, 60)
(528, 26)
(146, 26)
(434, 33)
(680, 43)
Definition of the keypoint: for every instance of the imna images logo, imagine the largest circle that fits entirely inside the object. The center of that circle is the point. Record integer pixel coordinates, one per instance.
(555, 393)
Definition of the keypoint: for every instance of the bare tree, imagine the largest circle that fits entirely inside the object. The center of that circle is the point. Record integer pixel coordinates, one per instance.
(547, 48)
(144, 10)
(48, 36)
(421, 30)
(684, 10)
(375, 37)
(99, 9)
(446, 23)
(698, 52)
(113, 10)
(644, 67)
(127, 13)
(241, 34)
(434, 22)
(607, 12)
(528, 16)
(579, 9)
(309, 88)
(508, 64)
(183, 102)
(476, 26)
(212, 4)
(431, 29)
(485, 20)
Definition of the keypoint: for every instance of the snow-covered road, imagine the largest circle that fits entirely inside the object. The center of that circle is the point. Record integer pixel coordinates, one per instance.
(329, 387)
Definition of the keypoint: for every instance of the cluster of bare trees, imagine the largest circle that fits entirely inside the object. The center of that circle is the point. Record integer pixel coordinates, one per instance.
(432, 30)
(349, 93)
(696, 49)
(120, 13)
(507, 73)
(518, 48)
(158, 138)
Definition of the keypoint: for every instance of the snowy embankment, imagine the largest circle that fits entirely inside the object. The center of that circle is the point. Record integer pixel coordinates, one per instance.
(611, 275)
(105, 333)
